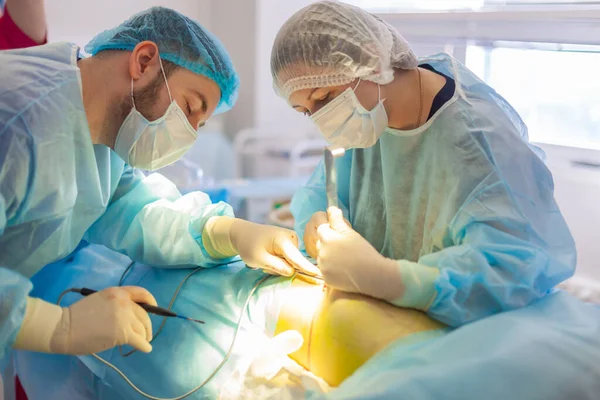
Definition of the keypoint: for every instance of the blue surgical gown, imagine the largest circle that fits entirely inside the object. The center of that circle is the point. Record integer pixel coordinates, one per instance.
(57, 187)
(464, 203)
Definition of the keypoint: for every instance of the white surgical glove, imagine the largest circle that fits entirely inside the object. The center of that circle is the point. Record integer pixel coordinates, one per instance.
(310, 232)
(273, 249)
(274, 355)
(96, 323)
(351, 264)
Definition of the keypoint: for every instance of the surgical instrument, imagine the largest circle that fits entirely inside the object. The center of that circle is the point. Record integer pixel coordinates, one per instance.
(149, 308)
(317, 277)
(244, 309)
(331, 175)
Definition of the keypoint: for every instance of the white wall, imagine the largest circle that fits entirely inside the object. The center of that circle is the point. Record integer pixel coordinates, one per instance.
(577, 192)
(272, 111)
(238, 33)
(79, 21)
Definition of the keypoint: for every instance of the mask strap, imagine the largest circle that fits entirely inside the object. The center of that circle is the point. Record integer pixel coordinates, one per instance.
(378, 90)
(131, 93)
(165, 76)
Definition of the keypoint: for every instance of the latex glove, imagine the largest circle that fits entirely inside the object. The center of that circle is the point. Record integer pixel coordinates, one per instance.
(310, 232)
(96, 323)
(350, 263)
(274, 355)
(273, 249)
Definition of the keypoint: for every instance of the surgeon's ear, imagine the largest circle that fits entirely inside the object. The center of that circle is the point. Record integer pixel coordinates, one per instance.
(144, 60)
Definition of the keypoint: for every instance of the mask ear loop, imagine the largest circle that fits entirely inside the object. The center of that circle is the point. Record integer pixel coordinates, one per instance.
(165, 76)
(166, 84)
(131, 93)
(379, 93)
(378, 90)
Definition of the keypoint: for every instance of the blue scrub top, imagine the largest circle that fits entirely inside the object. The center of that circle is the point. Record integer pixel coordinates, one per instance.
(464, 203)
(57, 187)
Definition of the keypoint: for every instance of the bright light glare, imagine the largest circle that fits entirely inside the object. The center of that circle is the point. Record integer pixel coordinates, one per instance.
(555, 91)
(306, 298)
(408, 5)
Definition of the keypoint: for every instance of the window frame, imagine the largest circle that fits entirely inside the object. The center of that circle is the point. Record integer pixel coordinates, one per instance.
(573, 26)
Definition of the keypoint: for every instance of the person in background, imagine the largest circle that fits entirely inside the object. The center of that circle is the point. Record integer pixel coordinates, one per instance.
(74, 134)
(22, 24)
(452, 210)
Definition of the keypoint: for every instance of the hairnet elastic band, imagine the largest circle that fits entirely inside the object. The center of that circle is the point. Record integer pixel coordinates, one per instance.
(310, 82)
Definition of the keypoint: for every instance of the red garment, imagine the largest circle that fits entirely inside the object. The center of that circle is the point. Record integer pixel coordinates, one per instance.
(11, 36)
(19, 391)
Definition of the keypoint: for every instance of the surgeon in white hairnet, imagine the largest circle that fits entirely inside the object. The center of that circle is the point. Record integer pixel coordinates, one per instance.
(75, 134)
(449, 209)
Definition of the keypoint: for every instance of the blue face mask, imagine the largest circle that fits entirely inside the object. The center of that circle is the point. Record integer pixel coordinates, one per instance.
(151, 145)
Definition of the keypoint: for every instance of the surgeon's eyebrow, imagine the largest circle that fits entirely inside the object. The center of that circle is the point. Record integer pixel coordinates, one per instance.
(307, 98)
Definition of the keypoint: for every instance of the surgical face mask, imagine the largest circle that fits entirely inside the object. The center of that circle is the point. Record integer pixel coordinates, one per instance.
(151, 145)
(345, 123)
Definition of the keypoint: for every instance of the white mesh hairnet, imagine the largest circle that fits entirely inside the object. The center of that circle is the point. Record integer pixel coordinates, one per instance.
(330, 44)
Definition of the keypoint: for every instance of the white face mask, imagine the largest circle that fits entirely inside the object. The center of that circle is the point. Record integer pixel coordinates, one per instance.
(345, 123)
(151, 145)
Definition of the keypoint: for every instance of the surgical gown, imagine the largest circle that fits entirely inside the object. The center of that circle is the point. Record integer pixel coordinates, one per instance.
(57, 187)
(464, 203)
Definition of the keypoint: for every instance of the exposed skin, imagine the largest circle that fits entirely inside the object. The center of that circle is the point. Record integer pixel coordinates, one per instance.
(342, 331)
(106, 81)
(402, 104)
(402, 97)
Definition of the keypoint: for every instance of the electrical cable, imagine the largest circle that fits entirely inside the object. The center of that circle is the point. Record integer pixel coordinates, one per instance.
(216, 370)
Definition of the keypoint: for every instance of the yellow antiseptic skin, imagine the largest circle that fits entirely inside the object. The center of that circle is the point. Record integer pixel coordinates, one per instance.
(342, 331)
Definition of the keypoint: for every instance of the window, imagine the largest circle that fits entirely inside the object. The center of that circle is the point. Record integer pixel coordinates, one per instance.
(541, 2)
(555, 88)
(390, 6)
(412, 5)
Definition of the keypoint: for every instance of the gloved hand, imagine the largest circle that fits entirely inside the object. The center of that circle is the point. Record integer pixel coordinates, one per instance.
(273, 355)
(270, 248)
(310, 232)
(96, 323)
(349, 263)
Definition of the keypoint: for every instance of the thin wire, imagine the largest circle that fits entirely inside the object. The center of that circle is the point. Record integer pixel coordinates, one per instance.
(216, 370)
(421, 98)
(164, 320)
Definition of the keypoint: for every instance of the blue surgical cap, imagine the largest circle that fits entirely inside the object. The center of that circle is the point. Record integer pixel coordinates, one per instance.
(181, 41)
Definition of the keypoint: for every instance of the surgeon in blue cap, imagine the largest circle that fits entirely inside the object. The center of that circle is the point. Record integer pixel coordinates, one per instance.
(74, 134)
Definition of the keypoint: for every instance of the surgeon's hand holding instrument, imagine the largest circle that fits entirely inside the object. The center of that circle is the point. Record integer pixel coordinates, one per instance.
(96, 323)
(319, 218)
(152, 302)
(150, 309)
(350, 263)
